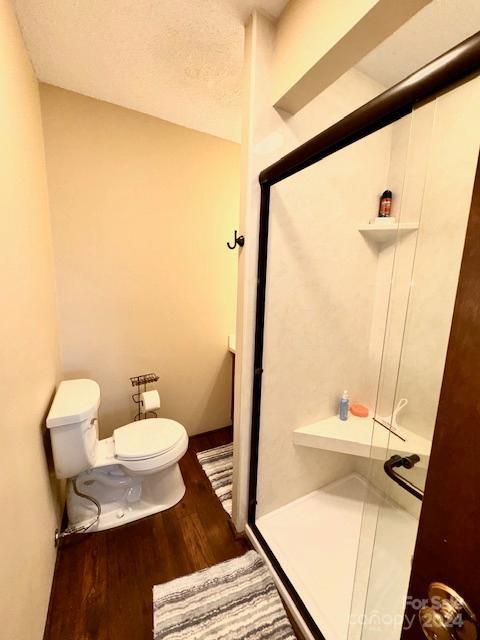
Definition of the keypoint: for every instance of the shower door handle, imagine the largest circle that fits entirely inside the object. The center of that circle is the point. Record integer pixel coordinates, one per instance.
(407, 462)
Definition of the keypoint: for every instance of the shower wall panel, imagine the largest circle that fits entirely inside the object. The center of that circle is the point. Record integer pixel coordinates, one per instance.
(321, 282)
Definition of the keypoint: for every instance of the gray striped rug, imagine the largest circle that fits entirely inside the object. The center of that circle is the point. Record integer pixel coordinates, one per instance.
(218, 465)
(233, 600)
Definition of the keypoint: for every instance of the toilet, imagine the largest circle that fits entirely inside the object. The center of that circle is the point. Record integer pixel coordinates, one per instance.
(130, 475)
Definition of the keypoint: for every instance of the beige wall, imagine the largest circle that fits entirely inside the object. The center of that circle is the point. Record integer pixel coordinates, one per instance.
(28, 347)
(141, 212)
(306, 31)
(316, 42)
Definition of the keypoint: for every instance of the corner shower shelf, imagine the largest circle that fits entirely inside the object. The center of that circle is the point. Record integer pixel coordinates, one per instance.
(361, 437)
(382, 232)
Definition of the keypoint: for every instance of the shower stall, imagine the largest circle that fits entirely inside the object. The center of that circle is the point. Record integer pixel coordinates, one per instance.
(349, 300)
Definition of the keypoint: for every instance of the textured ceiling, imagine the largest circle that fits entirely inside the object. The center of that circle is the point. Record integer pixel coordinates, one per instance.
(437, 27)
(180, 60)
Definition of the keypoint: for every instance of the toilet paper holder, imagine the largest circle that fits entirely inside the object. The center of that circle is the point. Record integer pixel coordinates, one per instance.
(142, 381)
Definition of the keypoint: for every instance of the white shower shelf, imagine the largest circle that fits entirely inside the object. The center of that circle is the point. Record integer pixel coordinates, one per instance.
(386, 231)
(358, 437)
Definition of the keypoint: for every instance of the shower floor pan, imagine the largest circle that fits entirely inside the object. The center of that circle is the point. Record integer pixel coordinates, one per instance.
(316, 541)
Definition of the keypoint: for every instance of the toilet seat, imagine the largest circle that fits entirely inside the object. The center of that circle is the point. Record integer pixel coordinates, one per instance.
(149, 444)
(146, 438)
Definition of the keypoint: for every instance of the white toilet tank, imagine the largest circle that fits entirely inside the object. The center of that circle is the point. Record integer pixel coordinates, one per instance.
(73, 424)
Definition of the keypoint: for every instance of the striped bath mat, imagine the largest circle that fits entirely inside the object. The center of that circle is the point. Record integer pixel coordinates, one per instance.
(218, 465)
(234, 600)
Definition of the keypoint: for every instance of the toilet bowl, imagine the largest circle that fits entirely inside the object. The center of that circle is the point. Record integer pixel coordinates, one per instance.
(130, 475)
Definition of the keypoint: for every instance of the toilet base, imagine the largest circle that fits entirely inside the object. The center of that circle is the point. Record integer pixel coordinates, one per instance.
(123, 498)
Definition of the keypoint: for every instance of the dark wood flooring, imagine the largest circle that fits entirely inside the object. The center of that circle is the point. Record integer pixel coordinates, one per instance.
(102, 589)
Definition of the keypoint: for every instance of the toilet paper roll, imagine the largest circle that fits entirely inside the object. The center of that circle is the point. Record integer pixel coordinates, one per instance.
(150, 401)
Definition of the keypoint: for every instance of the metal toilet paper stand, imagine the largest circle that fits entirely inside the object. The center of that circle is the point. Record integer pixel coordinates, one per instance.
(142, 381)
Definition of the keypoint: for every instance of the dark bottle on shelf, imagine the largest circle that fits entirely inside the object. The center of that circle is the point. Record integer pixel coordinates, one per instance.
(385, 207)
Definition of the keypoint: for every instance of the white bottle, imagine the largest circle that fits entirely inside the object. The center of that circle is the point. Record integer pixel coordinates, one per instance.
(343, 411)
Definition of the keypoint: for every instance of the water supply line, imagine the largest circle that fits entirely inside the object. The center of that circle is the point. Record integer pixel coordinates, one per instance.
(84, 528)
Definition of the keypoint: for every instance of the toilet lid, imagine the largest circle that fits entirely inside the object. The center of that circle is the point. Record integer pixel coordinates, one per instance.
(146, 438)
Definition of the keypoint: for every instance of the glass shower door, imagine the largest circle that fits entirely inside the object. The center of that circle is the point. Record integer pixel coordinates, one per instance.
(329, 277)
(417, 332)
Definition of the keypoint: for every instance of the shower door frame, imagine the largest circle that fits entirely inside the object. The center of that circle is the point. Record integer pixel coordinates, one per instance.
(454, 66)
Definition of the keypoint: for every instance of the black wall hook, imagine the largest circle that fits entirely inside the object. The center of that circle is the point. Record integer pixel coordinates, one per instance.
(240, 240)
